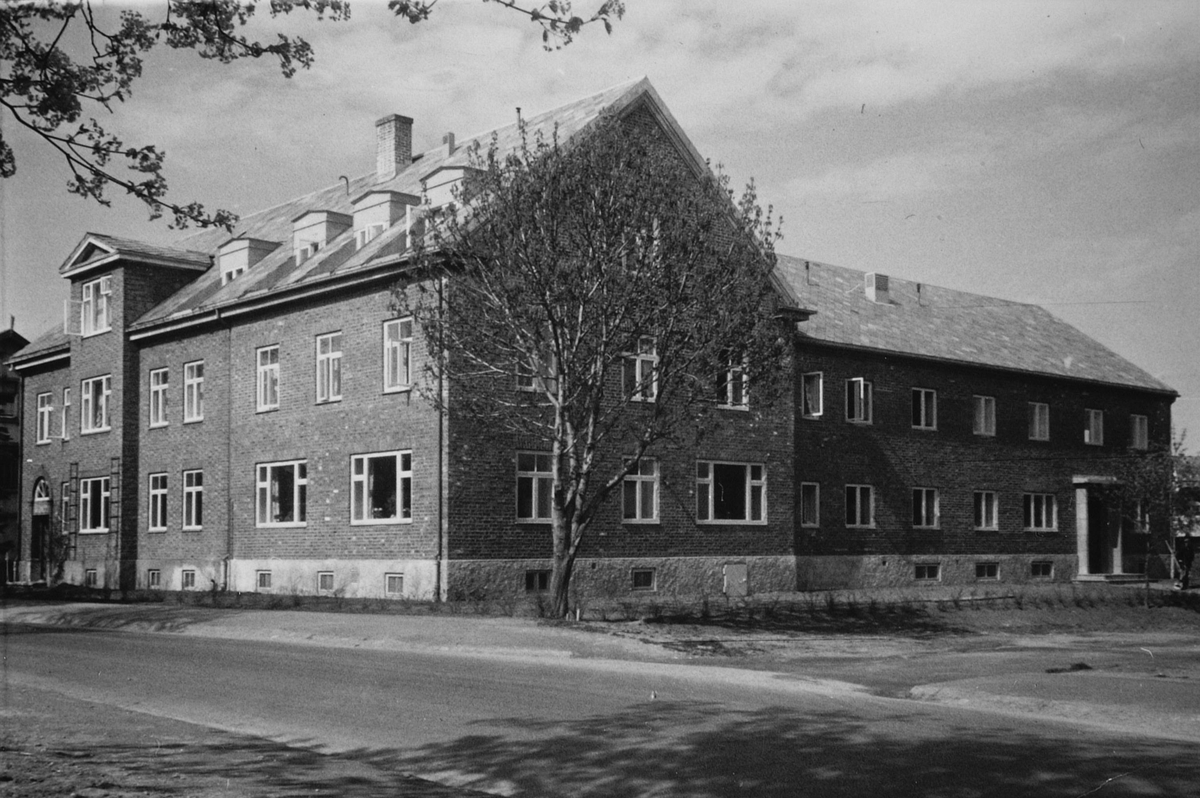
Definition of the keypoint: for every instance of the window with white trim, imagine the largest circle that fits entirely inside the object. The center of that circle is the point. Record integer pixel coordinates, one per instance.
(324, 581)
(1139, 432)
(733, 389)
(282, 492)
(1093, 431)
(95, 306)
(329, 367)
(535, 483)
(262, 580)
(641, 371)
(925, 508)
(66, 414)
(985, 415)
(158, 502)
(45, 412)
(924, 408)
(268, 377)
(91, 578)
(810, 504)
(94, 498)
(860, 506)
(927, 571)
(1041, 569)
(193, 499)
(1039, 421)
(365, 235)
(64, 503)
(987, 570)
(1041, 511)
(731, 492)
(397, 354)
(393, 584)
(187, 579)
(159, 383)
(640, 492)
(229, 273)
(94, 394)
(812, 394)
(153, 578)
(193, 391)
(537, 373)
(643, 579)
(858, 400)
(986, 507)
(381, 488)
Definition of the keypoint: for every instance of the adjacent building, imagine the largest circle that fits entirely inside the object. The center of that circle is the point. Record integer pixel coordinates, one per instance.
(10, 456)
(238, 411)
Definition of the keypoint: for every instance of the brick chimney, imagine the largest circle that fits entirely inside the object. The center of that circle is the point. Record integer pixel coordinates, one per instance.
(393, 146)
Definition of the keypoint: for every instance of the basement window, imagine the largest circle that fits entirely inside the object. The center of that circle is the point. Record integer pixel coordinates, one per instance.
(153, 578)
(89, 578)
(393, 584)
(263, 579)
(537, 581)
(987, 570)
(643, 579)
(1041, 569)
(325, 581)
(928, 572)
(188, 579)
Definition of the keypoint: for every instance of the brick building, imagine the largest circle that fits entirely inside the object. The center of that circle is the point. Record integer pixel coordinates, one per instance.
(238, 412)
(10, 456)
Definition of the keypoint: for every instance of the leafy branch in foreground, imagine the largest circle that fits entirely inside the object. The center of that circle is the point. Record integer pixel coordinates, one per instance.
(57, 59)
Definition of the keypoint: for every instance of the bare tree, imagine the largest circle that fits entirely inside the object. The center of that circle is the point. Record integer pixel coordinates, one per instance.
(58, 59)
(603, 295)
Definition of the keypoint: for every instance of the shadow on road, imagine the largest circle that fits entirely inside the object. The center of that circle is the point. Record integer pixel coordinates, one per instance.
(661, 748)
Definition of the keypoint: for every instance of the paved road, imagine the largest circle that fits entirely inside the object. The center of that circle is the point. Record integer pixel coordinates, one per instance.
(594, 727)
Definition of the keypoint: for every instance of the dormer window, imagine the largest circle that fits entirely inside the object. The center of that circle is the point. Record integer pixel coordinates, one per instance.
(367, 234)
(306, 251)
(238, 255)
(94, 311)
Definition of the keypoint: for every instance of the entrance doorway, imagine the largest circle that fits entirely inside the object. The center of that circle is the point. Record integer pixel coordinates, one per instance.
(39, 533)
(1100, 547)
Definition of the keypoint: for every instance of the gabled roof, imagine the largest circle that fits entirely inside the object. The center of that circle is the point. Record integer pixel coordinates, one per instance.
(929, 321)
(96, 250)
(278, 271)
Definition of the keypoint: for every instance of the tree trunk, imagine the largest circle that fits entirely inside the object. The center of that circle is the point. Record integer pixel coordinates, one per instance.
(563, 566)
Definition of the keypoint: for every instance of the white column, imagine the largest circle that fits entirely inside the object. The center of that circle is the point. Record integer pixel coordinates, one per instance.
(1081, 528)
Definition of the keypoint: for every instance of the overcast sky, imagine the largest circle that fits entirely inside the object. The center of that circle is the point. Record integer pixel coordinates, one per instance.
(1044, 152)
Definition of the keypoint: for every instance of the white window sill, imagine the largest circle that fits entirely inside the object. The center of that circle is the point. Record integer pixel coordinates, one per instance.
(282, 525)
(640, 521)
(408, 388)
(193, 529)
(381, 522)
(94, 531)
(731, 522)
(196, 420)
(160, 425)
(534, 521)
(743, 408)
(156, 529)
(268, 409)
(95, 431)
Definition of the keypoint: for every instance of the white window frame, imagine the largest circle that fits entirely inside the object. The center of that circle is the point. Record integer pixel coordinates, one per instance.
(266, 359)
(193, 500)
(986, 509)
(160, 384)
(735, 386)
(1139, 431)
(641, 488)
(535, 475)
(1093, 430)
(640, 373)
(193, 391)
(229, 274)
(859, 492)
(360, 488)
(94, 393)
(95, 309)
(706, 490)
(1040, 506)
(397, 354)
(262, 580)
(65, 428)
(365, 235)
(64, 503)
(329, 367)
(812, 403)
(91, 491)
(921, 571)
(810, 504)
(984, 415)
(187, 579)
(926, 508)
(393, 584)
(859, 401)
(264, 501)
(45, 416)
(321, 577)
(1039, 421)
(924, 408)
(156, 513)
(642, 571)
(153, 578)
(985, 566)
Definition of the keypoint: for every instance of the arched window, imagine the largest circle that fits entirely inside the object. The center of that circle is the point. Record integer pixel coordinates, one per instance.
(41, 497)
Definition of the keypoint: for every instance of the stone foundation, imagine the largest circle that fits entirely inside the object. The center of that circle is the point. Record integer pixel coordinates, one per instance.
(613, 577)
(871, 571)
(350, 578)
